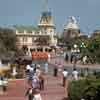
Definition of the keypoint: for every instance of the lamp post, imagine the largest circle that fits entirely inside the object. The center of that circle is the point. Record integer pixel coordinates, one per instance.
(75, 51)
(82, 47)
(75, 47)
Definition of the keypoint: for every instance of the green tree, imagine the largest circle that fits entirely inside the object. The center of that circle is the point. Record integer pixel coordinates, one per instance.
(7, 42)
(88, 88)
(94, 47)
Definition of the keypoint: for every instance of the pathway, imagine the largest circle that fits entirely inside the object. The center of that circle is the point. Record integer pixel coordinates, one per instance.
(53, 90)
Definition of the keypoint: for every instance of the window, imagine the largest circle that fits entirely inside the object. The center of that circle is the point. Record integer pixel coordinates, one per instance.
(24, 39)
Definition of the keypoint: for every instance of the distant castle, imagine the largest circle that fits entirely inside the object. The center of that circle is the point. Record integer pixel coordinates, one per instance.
(43, 35)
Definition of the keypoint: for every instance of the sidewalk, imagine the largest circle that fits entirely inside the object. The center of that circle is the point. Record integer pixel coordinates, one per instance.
(78, 65)
(53, 90)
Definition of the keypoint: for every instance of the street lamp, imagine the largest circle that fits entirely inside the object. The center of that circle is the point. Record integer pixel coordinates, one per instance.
(75, 47)
(82, 47)
(75, 51)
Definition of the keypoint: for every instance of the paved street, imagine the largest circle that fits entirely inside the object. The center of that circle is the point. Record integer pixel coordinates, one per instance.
(60, 60)
(53, 90)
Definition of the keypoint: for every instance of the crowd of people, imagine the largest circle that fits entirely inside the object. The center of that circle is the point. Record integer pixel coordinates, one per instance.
(36, 76)
(65, 74)
(83, 59)
(35, 80)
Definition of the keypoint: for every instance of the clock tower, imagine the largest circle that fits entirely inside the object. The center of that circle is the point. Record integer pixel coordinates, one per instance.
(46, 27)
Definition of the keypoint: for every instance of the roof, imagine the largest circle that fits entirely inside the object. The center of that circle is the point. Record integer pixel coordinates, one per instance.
(72, 23)
(29, 29)
(72, 26)
(46, 19)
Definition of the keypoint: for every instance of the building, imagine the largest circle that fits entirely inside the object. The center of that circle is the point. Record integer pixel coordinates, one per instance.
(42, 35)
(46, 29)
(71, 30)
(25, 35)
(96, 33)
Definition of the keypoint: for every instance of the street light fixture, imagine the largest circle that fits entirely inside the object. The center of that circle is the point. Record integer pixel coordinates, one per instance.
(75, 51)
(82, 47)
(75, 46)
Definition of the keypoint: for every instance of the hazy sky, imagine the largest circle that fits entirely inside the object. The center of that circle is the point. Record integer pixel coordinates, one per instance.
(27, 12)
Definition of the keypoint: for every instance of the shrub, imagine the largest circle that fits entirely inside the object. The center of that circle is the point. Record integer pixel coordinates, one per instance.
(88, 88)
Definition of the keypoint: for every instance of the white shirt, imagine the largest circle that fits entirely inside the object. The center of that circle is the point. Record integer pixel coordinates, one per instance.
(31, 69)
(1, 82)
(28, 67)
(5, 82)
(65, 73)
(14, 73)
(38, 72)
(75, 74)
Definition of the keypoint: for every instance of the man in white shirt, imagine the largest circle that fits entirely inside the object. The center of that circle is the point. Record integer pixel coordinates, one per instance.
(38, 71)
(65, 75)
(28, 67)
(75, 74)
(29, 73)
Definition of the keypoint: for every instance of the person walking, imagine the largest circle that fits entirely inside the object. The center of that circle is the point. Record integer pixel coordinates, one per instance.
(42, 80)
(33, 91)
(38, 70)
(46, 67)
(65, 75)
(75, 74)
(55, 71)
(33, 94)
(1, 85)
(36, 88)
(29, 73)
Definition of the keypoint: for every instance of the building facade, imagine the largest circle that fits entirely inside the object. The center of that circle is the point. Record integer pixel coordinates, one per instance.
(96, 33)
(71, 30)
(43, 35)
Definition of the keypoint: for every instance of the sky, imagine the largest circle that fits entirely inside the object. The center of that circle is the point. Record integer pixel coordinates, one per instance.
(28, 12)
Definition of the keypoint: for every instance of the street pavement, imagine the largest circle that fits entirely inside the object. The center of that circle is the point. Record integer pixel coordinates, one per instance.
(53, 90)
(53, 85)
(60, 61)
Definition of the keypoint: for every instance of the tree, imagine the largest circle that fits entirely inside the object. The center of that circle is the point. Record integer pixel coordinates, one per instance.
(94, 47)
(7, 42)
(88, 46)
(88, 88)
